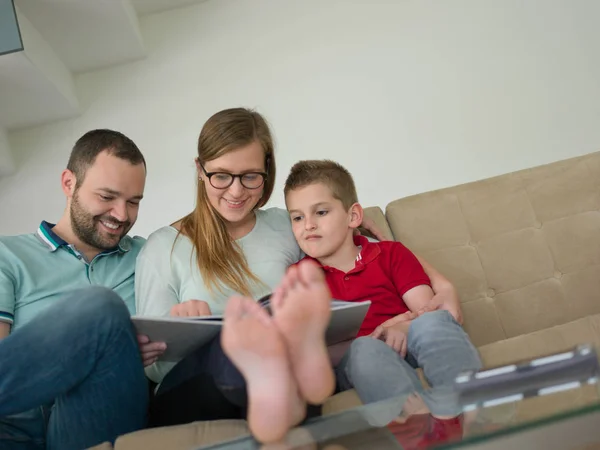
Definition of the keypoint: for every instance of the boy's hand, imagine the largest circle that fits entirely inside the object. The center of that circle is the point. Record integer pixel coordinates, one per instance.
(191, 308)
(394, 336)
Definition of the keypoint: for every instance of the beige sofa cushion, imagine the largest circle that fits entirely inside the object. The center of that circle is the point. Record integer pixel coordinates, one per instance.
(183, 437)
(104, 446)
(190, 436)
(523, 249)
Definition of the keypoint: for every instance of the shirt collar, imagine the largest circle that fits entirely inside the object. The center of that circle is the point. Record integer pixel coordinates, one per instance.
(49, 237)
(53, 241)
(369, 251)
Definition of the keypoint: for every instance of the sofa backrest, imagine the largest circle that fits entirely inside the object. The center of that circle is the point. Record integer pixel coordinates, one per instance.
(523, 249)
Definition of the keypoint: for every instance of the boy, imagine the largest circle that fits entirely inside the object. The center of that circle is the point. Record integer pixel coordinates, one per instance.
(380, 364)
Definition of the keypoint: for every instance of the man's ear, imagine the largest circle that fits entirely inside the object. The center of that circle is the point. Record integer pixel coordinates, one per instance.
(68, 182)
(356, 215)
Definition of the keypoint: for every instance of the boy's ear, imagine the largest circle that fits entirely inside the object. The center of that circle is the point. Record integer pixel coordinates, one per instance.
(356, 215)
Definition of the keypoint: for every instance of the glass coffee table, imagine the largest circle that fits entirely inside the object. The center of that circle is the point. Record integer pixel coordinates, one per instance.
(547, 403)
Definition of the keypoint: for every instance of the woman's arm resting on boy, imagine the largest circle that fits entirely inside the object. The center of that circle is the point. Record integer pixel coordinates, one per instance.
(446, 295)
(394, 331)
(370, 225)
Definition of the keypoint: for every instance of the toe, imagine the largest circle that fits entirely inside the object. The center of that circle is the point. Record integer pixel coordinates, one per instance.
(277, 298)
(310, 273)
(291, 278)
(256, 311)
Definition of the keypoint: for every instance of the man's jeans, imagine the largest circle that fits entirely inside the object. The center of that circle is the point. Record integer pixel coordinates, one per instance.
(72, 377)
(436, 343)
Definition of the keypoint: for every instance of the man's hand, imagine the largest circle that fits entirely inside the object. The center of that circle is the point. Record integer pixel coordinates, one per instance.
(150, 351)
(4, 329)
(191, 308)
(395, 336)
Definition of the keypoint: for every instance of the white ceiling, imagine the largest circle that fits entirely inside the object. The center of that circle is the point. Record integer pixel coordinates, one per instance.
(62, 38)
(29, 96)
(86, 34)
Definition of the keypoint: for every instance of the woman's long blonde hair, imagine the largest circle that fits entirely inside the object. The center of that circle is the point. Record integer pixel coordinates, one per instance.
(219, 257)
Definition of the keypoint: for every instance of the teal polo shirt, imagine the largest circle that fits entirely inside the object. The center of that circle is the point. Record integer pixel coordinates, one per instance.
(38, 269)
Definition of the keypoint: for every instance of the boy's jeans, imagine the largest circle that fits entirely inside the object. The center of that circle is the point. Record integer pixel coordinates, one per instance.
(72, 377)
(436, 343)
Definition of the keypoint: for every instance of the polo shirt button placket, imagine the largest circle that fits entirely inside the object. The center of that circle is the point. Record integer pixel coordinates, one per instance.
(346, 278)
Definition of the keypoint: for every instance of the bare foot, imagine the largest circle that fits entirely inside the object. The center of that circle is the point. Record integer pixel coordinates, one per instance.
(301, 311)
(254, 344)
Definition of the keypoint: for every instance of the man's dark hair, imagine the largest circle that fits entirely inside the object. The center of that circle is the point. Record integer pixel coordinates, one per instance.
(91, 144)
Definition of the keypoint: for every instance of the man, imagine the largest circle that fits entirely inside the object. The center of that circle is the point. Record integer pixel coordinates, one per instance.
(71, 375)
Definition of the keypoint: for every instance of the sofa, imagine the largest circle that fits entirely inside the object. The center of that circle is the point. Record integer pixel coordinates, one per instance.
(522, 249)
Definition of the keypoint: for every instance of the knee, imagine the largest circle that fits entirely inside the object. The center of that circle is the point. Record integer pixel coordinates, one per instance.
(96, 303)
(434, 320)
(365, 345)
(366, 354)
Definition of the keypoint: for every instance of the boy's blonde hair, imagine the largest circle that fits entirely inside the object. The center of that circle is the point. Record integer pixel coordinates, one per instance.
(330, 173)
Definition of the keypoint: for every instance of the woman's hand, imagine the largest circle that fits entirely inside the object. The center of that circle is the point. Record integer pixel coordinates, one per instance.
(191, 308)
(445, 294)
(370, 225)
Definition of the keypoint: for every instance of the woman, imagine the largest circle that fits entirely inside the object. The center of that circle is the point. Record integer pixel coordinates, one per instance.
(226, 246)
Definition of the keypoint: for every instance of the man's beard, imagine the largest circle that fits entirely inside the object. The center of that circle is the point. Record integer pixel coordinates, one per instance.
(85, 227)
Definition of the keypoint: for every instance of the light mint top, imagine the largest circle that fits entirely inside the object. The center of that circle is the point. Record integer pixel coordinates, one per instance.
(167, 272)
(37, 269)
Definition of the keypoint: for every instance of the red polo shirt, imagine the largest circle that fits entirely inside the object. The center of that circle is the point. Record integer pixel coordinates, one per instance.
(383, 273)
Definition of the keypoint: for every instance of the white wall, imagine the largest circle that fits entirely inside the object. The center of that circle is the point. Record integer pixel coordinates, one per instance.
(7, 165)
(409, 95)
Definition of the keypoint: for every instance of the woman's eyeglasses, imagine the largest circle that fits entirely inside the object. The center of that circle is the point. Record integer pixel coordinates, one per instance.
(222, 180)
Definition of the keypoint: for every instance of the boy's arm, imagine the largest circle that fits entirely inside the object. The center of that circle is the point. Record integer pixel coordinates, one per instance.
(445, 294)
(418, 300)
(410, 280)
